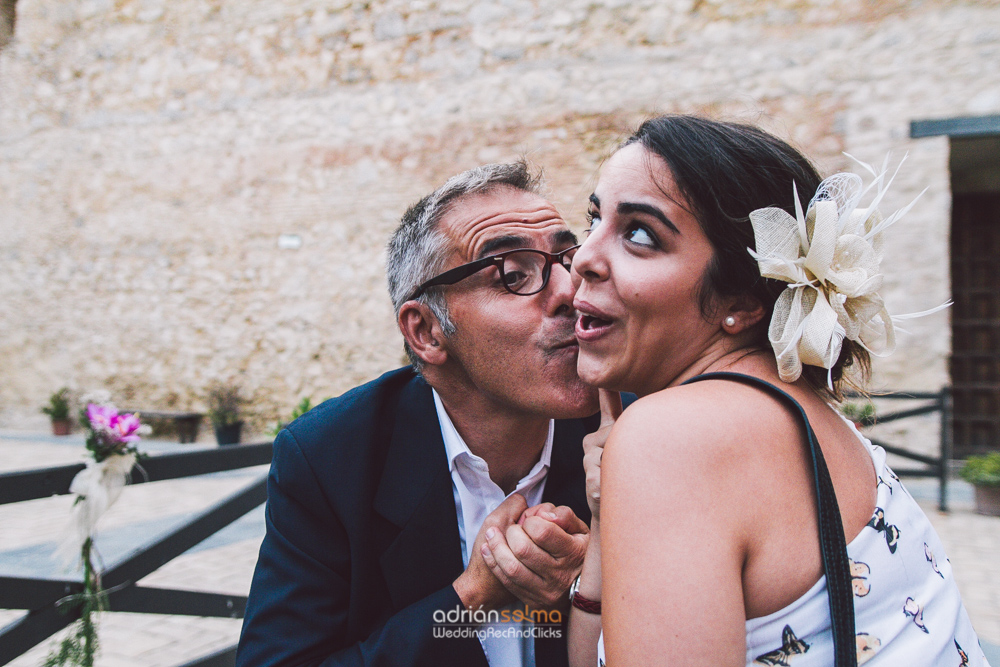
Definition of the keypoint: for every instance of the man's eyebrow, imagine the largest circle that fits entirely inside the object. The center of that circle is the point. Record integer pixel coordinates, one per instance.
(624, 208)
(501, 243)
(564, 237)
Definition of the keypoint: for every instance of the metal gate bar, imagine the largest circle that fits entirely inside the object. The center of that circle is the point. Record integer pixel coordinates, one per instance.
(41, 597)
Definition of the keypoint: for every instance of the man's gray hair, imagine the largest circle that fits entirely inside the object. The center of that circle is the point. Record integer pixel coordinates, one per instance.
(418, 250)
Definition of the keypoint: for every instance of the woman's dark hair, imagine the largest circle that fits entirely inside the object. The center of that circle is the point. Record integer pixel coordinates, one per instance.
(724, 171)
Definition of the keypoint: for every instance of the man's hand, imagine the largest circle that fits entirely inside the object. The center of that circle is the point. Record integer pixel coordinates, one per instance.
(593, 447)
(477, 586)
(537, 558)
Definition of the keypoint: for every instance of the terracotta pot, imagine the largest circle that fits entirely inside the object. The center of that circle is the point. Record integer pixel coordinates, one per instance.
(60, 427)
(987, 500)
(229, 434)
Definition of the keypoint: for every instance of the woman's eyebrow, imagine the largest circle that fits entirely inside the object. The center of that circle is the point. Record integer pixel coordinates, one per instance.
(624, 208)
(595, 201)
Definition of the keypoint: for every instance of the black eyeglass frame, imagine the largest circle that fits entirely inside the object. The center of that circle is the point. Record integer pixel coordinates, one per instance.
(452, 276)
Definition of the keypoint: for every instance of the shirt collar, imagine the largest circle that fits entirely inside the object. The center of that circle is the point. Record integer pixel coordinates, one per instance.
(456, 448)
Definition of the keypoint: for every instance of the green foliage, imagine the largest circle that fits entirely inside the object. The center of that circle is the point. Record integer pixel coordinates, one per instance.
(58, 407)
(225, 404)
(80, 646)
(304, 406)
(859, 413)
(982, 470)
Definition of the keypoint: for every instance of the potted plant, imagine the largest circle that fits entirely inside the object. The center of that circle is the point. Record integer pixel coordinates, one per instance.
(225, 404)
(983, 472)
(862, 414)
(304, 406)
(58, 411)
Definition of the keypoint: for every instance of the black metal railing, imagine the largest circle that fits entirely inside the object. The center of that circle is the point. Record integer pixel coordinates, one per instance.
(939, 402)
(41, 597)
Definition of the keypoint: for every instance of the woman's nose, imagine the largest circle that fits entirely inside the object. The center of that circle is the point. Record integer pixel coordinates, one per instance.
(589, 263)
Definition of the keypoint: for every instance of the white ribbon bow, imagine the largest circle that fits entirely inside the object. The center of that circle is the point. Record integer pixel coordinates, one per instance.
(97, 487)
(831, 258)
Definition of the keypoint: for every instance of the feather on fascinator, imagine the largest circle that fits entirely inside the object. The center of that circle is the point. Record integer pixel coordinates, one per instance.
(831, 257)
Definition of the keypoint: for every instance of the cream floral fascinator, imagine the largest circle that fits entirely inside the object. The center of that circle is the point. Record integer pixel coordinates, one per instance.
(831, 257)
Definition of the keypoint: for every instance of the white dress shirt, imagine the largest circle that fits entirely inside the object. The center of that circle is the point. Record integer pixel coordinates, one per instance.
(476, 496)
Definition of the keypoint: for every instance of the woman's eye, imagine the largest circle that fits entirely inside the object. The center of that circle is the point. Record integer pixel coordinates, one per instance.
(594, 221)
(641, 236)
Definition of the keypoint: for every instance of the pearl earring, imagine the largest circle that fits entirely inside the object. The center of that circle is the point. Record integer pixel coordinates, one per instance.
(730, 321)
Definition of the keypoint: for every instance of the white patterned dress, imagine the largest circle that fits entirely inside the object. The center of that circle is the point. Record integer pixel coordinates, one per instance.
(907, 608)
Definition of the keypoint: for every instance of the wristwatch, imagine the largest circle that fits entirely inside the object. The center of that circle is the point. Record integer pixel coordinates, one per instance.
(580, 602)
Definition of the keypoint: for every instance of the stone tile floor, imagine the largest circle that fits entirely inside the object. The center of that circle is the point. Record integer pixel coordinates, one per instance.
(30, 531)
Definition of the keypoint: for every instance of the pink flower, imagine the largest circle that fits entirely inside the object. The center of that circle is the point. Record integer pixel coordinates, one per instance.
(126, 426)
(100, 416)
(106, 421)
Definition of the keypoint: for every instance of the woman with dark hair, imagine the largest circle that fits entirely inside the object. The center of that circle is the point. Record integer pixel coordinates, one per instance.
(744, 521)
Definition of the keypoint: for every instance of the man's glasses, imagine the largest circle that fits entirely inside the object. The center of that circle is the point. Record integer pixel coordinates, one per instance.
(523, 271)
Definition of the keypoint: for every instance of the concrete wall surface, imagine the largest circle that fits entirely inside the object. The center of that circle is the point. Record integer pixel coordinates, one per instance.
(152, 154)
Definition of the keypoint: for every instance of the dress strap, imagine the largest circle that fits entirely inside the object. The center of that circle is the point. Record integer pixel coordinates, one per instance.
(833, 545)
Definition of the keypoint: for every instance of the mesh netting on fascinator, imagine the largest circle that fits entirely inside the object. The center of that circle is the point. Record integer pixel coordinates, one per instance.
(830, 256)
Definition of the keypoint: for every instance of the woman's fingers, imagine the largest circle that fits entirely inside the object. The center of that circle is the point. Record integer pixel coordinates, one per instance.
(540, 509)
(611, 406)
(593, 446)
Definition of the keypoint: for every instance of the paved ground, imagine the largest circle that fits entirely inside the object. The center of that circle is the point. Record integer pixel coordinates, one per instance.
(30, 531)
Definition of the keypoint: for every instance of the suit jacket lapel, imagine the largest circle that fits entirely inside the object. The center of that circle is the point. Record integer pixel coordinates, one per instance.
(415, 496)
(565, 482)
(565, 485)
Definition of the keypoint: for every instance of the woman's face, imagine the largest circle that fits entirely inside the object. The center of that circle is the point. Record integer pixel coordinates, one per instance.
(638, 276)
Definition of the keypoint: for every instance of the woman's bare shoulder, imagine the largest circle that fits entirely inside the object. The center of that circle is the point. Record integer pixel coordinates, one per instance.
(712, 413)
(716, 435)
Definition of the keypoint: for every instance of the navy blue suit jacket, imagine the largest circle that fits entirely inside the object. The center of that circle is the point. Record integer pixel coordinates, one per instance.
(362, 542)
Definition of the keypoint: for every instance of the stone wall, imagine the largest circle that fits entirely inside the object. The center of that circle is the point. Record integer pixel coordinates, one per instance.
(8, 17)
(152, 153)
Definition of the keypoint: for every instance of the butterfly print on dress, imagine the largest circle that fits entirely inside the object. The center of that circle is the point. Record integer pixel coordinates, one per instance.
(868, 646)
(895, 478)
(916, 612)
(790, 645)
(859, 577)
(891, 532)
(961, 654)
(882, 482)
(929, 555)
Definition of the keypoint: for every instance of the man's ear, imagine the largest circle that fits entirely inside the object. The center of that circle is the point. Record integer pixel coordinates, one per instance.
(422, 332)
(741, 314)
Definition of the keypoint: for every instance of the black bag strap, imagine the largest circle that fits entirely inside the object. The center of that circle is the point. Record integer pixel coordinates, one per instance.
(832, 544)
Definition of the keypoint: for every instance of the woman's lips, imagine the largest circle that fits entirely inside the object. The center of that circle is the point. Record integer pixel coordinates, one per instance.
(589, 328)
(591, 324)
